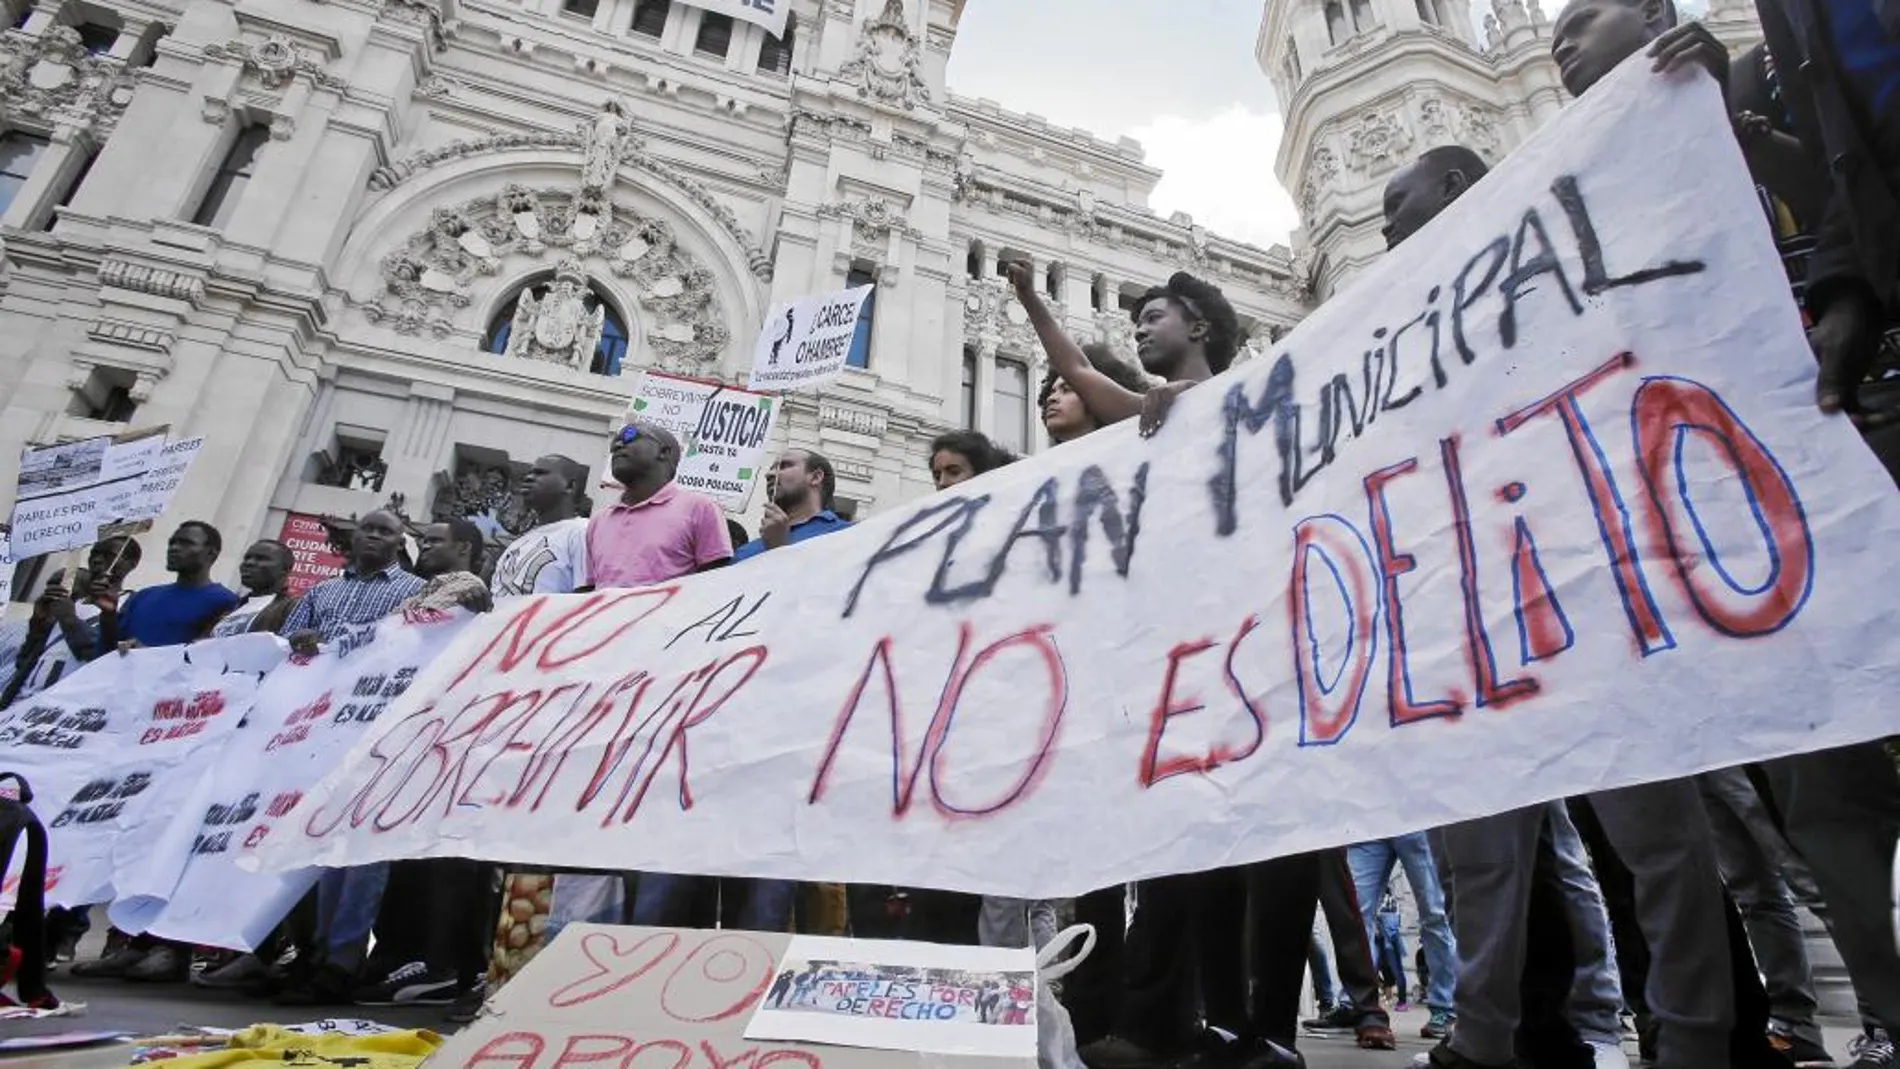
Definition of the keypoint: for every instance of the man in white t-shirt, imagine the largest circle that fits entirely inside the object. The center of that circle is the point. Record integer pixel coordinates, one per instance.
(264, 571)
(551, 558)
(63, 632)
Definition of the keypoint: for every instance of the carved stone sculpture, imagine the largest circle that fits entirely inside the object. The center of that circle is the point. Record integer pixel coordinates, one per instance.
(888, 62)
(559, 328)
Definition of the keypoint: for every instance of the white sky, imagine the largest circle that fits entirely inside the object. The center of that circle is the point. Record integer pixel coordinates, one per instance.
(1179, 77)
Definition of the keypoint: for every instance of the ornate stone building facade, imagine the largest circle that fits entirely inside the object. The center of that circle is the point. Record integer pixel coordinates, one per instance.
(1367, 85)
(402, 247)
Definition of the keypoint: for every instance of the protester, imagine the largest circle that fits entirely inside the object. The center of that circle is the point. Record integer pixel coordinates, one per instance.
(264, 572)
(656, 531)
(959, 456)
(181, 610)
(1372, 864)
(1065, 416)
(1390, 943)
(551, 557)
(802, 490)
(450, 559)
(372, 587)
(63, 633)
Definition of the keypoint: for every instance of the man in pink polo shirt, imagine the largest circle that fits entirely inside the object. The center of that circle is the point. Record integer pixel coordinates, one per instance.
(656, 531)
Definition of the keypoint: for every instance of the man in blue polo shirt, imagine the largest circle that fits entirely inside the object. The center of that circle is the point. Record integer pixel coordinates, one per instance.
(804, 488)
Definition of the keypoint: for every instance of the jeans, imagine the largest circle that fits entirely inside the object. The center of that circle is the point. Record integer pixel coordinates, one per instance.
(1391, 952)
(665, 900)
(1322, 972)
(347, 903)
(1596, 997)
(1372, 865)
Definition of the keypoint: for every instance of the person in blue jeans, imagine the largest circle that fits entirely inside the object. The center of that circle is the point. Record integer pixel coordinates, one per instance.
(802, 489)
(1372, 864)
(1389, 949)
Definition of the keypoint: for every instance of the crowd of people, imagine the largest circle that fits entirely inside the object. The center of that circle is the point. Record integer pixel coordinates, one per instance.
(1541, 929)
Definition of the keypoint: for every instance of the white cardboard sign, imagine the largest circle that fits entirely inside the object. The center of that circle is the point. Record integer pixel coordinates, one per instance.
(723, 431)
(1542, 499)
(806, 342)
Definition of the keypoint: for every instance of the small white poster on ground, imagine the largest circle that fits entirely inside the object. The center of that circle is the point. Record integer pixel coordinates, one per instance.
(806, 342)
(902, 996)
(722, 432)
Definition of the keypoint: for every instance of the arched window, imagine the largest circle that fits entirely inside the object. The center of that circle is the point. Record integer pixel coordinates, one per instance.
(608, 354)
(1336, 22)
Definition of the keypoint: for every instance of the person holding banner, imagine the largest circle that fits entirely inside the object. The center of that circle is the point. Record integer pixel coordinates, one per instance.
(41, 659)
(265, 573)
(657, 530)
(552, 557)
(185, 608)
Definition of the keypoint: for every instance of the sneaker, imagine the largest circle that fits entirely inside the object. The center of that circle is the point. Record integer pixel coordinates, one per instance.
(164, 964)
(1114, 1052)
(414, 984)
(1439, 1026)
(1401, 1006)
(469, 1004)
(111, 967)
(1872, 1049)
(1340, 1018)
(1375, 1037)
(240, 973)
(1802, 1052)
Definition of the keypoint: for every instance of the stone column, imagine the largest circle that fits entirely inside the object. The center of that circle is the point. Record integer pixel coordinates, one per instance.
(986, 386)
(416, 445)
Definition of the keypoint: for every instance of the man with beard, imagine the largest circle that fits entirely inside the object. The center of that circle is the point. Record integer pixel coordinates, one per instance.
(804, 490)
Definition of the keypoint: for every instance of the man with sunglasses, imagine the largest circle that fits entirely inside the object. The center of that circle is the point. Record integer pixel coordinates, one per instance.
(656, 531)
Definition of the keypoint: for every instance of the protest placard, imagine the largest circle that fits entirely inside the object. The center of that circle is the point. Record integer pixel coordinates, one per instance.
(771, 14)
(657, 996)
(6, 568)
(1543, 499)
(313, 558)
(68, 492)
(302, 720)
(722, 431)
(902, 996)
(806, 342)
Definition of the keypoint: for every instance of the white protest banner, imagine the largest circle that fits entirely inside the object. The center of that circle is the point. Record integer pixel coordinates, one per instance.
(304, 717)
(111, 752)
(771, 14)
(805, 342)
(1543, 499)
(145, 497)
(6, 574)
(63, 489)
(722, 432)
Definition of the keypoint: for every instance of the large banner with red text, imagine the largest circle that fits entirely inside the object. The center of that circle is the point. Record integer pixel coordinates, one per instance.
(1540, 506)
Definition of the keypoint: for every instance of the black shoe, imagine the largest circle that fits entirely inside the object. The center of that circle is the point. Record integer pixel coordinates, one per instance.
(469, 1005)
(1114, 1052)
(327, 986)
(414, 984)
(1270, 1055)
(113, 966)
(1343, 1017)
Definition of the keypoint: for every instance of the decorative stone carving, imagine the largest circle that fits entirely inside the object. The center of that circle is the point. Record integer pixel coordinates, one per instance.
(872, 221)
(438, 87)
(1377, 143)
(131, 335)
(1433, 119)
(275, 61)
(1511, 15)
(1493, 33)
(425, 13)
(559, 328)
(53, 73)
(1481, 129)
(282, 128)
(604, 140)
(615, 143)
(431, 275)
(482, 493)
(157, 281)
(851, 418)
(888, 63)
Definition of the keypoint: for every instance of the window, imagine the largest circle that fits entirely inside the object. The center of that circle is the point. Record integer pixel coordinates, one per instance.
(968, 408)
(973, 264)
(1052, 284)
(106, 396)
(72, 190)
(97, 39)
(1362, 16)
(1425, 12)
(1012, 405)
(18, 153)
(715, 34)
(649, 17)
(1336, 22)
(356, 466)
(235, 173)
(609, 354)
(1129, 298)
(862, 275)
(583, 9)
(775, 55)
(1098, 293)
